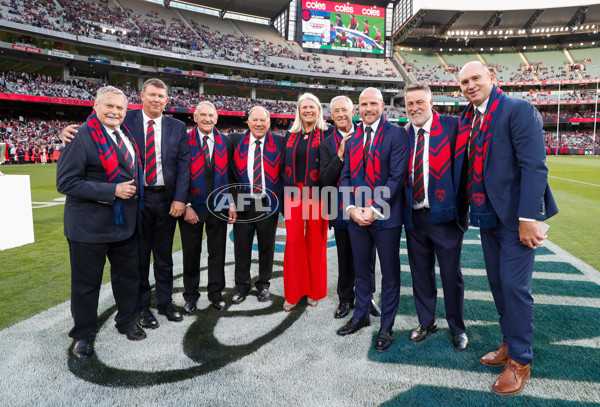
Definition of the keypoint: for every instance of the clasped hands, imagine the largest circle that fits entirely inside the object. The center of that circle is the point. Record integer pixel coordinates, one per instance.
(362, 216)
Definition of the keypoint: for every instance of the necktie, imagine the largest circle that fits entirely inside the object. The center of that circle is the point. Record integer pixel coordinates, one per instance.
(418, 179)
(367, 147)
(472, 148)
(123, 149)
(206, 151)
(257, 183)
(150, 155)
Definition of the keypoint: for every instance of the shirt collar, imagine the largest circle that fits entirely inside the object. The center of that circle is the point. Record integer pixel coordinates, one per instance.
(374, 126)
(111, 131)
(211, 136)
(482, 107)
(158, 120)
(253, 139)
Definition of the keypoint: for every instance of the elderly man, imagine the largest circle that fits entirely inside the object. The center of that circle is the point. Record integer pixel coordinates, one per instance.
(375, 168)
(166, 159)
(256, 159)
(432, 217)
(101, 174)
(331, 153)
(209, 172)
(501, 156)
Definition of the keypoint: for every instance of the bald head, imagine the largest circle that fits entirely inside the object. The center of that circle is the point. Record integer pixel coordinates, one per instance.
(370, 105)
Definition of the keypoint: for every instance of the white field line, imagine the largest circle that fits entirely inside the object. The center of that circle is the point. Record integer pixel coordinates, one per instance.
(572, 180)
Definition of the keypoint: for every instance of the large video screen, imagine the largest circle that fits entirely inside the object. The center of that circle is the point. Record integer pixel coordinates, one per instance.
(343, 27)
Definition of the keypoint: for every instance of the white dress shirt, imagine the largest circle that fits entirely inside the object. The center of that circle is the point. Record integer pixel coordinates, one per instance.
(126, 140)
(427, 128)
(160, 181)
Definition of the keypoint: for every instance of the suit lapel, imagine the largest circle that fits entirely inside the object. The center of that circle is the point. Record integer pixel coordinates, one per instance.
(165, 131)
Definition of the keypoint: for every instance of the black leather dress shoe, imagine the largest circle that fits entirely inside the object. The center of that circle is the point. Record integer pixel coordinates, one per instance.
(219, 305)
(170, 312)
(460, 341)
(83, 349)
(353, 326)
(343, 309)
(384, 340)
(134, 333)
(190, 307)
(375, 310)
(422, 332)
(147, 320)
(238, 298)
(263, 295)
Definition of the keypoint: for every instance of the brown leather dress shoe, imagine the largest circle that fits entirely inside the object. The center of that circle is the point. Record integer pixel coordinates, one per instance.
(497, 357)
(512, 378)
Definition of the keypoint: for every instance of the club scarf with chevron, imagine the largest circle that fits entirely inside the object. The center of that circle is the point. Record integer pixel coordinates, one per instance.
(197, 185)
(336, 139)
(481, 215)
(110, 162)
(372, 175)
(440, 190)
(272, 155)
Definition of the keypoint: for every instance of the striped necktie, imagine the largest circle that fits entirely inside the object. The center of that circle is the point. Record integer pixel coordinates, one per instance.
(125, 152)
(257, 183)
(472, 148)
(418, 179)
(150, 155)
(206, 151)
(367, 146)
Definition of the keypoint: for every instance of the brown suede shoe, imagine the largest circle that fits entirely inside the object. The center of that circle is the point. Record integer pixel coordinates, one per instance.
(512, 378)
(497, 357)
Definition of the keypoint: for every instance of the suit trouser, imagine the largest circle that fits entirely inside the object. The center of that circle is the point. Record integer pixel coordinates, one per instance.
(509, 266)
(158, 229)
(365, 239)
(345, 283)
(87, 266)
(424, 242)
(305, 255)
(243, 238)
(191, 244)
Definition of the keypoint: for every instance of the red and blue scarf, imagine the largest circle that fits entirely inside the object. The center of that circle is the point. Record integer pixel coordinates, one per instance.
(197, 182)
(311, 177)
(110, 162)
(370, 177)
(272, 155)
(440, 190)
(336, 139)
(481, 214)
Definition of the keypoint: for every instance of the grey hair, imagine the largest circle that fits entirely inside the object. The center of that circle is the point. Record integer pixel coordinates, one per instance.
(320, 123)
(109, 89)
(204, 102)
(268, 114)
(418, 86)
(342, 97)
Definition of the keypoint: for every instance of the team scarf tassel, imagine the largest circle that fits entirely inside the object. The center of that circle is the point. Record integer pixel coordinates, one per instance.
(110, 162)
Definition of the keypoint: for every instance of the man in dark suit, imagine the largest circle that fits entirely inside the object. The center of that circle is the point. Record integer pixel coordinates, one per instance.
(102, 217)
(166, 158)
(505, 179)
(331, 153)
(209, 172)
(167, 165)
(375, 169)
(255, 167)
(431, 216)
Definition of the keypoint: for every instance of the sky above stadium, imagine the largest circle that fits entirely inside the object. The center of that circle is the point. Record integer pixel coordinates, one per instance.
(493, 5)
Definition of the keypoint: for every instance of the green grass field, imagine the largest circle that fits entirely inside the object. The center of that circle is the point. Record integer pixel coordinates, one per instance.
(36, 277)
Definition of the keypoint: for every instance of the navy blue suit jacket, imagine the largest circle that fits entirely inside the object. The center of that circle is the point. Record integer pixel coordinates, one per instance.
(394, 157)
(514, 169)
(89, 214)
(175, 152)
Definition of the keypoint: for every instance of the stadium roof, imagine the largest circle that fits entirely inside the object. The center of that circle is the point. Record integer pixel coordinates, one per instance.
(263, 8)
(429, 28)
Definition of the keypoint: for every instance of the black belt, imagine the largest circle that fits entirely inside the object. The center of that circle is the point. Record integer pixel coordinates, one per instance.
(154, 189)
(425, 210)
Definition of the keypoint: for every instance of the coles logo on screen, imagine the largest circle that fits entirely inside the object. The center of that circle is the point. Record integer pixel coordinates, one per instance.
(342, 8)
(315, 5)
